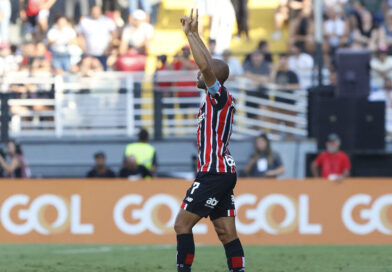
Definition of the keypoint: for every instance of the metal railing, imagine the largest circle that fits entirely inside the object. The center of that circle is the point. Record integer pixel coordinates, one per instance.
(118, 104)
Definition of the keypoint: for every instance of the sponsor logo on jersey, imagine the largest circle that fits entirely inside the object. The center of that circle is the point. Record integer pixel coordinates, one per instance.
(201, 118)
(211, 202)
(230, 161)
(189, 199)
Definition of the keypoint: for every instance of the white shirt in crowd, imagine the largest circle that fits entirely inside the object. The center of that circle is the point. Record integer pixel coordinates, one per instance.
(5, 14)
(222, 24)
(61, 38)
(382, 66)
(235, 66)
(97, 33)
(382, 95)
(138, 36)
(334, 3)
(302, 65)
(336, 28)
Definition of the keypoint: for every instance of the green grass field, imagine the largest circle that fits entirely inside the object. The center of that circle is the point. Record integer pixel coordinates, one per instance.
(110, 258)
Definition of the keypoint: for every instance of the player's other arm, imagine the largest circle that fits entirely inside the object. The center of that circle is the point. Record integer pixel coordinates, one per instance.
(200, 53)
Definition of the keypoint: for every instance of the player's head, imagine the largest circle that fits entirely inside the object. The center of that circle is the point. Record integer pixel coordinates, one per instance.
(221, 71)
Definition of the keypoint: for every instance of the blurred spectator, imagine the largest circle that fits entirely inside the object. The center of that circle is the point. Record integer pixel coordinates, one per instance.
(183, 62)
(287, 11)
(263, 47)
(335, 164)
(212, 47)
(60, 37)
(374, 6)
(37, 58)
(132, 60)
(336, 29)
(285, 78)
(303, 29)
(70, 6)
(132, 170)
(88, 67)
(259, 72)
(286, 81)
(144, 5)
(222, 24)
(258, 69)
(385, 94)
(137, 33)
(381, 67)
(144, 152)
(10, 61)
(302, 64)
(264, 162)
(100, 169)
(5, 16)
(17, 166)
(367, 34)
(36, 13)
(235, 66)
(97, 32)
(115, 16)
(387, 29)
(241, 14)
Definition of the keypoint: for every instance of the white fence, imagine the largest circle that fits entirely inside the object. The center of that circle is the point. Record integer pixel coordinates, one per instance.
(118, 104)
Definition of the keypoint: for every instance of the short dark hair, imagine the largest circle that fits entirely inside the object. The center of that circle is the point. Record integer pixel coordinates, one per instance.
(211, 41)
(299, 45)
(262, 43)
(18, 148)
(143, 135)
(99, 154)
(283, 55)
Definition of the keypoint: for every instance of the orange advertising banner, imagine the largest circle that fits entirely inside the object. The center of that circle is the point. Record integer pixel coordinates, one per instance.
(355, 211)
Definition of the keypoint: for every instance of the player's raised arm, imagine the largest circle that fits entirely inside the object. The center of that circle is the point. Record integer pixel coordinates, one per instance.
(195, 31)
(202, 59)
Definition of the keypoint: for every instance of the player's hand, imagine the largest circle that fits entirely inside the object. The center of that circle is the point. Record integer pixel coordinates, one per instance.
(195, 22)
(186, 24)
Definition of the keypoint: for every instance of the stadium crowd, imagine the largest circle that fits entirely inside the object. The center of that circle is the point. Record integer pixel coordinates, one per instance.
(85, 37)
(109, 36)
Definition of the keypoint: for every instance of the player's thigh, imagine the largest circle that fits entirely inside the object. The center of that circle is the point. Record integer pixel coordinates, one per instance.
(204, 194)
(185, 221)
(225, 229)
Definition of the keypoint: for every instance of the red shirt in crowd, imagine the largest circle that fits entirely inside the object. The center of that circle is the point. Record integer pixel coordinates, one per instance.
(333, 163)
(178, 66)
(33, 7)
(130, 61)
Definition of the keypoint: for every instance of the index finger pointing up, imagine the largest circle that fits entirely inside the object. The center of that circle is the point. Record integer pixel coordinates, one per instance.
(191, 14)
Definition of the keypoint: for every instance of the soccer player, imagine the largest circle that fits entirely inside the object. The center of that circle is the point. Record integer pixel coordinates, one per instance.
(211, 194)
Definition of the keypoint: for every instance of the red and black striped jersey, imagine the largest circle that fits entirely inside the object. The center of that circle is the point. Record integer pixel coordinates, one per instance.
(215, 120)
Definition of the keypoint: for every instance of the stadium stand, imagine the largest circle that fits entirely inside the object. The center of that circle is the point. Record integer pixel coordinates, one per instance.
(59, 90)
